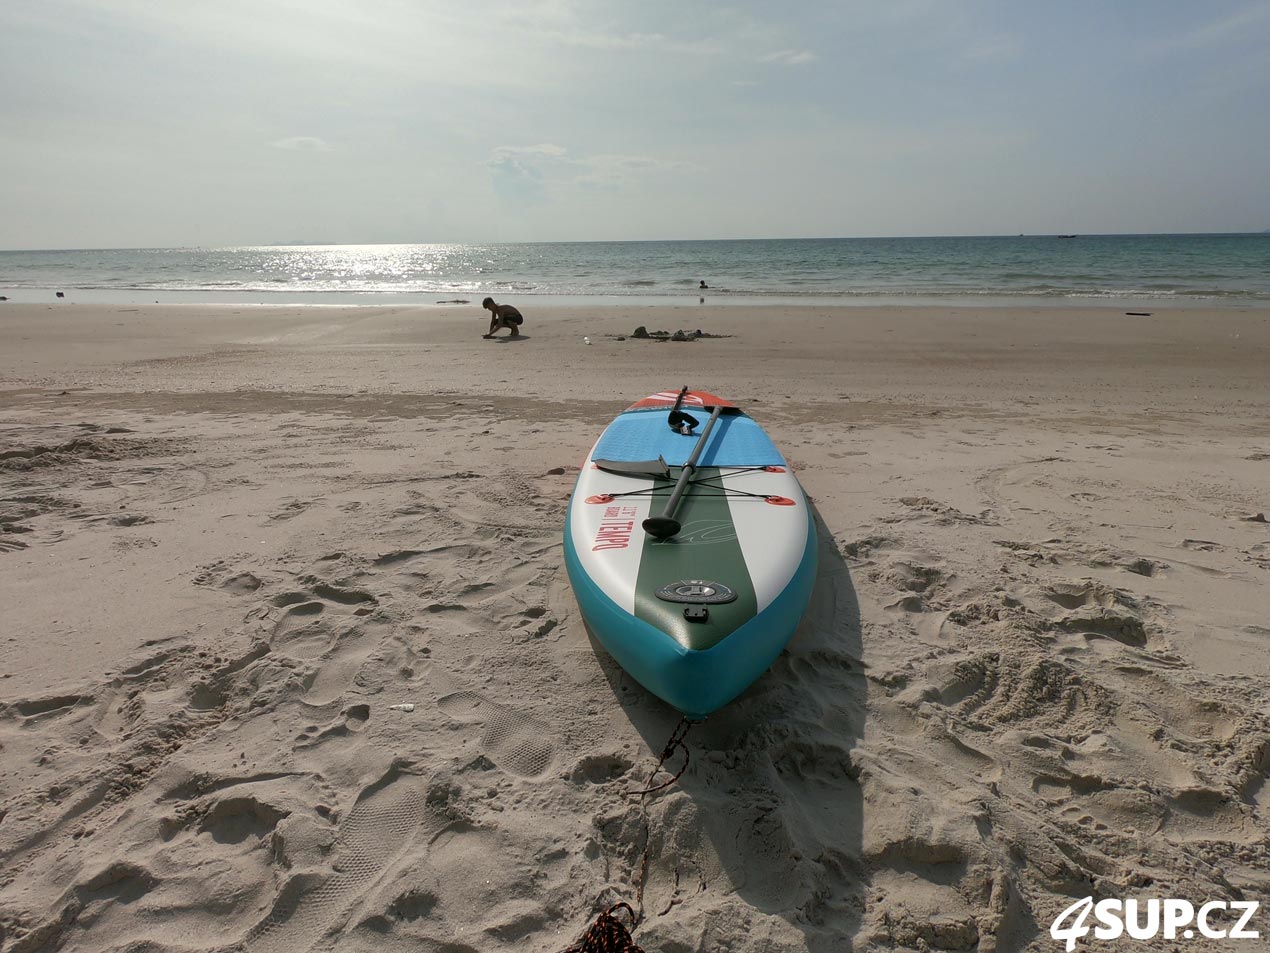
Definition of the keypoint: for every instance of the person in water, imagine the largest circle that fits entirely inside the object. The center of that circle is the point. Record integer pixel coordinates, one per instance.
(504, 316)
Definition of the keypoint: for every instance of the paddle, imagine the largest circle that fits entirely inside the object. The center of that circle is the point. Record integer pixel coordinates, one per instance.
(665, 525)
(678, 420)
(636, 468)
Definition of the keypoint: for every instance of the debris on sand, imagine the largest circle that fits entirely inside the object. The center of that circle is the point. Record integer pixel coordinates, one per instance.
(680, 335)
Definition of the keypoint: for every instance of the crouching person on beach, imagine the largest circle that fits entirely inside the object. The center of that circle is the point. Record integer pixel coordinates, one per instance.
(505, 316)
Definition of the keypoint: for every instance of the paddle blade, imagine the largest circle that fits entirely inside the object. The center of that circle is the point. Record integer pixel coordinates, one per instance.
(638, 468)
(677, 420)
(661, 527)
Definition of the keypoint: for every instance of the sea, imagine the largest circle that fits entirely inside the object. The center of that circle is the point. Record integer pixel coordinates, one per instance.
(1195, 269)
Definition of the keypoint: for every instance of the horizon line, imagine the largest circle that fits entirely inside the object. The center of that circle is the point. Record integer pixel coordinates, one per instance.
(632, 241)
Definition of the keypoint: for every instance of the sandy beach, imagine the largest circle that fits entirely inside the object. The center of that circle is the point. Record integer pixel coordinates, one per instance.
(289, 659)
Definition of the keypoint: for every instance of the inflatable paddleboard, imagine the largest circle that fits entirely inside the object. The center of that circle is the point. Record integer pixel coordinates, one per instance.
(691, 548)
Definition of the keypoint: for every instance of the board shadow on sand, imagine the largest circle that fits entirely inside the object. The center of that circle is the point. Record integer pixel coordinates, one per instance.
(770, 808)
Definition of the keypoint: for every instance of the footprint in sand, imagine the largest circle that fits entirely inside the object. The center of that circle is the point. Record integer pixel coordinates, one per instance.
(515, 742)
(301, 632)
(11, 544)
(160, 484)
(228, 575)
(291, 510)
(350, 721)
(378, 831)
(317, 626)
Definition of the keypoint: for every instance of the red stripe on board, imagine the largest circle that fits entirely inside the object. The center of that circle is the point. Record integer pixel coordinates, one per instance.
(694, 398)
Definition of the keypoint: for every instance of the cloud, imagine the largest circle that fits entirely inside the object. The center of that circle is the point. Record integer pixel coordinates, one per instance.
(614, 171)
(789, 57)
(1235, 25)
(302, 144)
(1244, 23)
(518, 172)
(601, 41)
(528, 173)
(524, 160)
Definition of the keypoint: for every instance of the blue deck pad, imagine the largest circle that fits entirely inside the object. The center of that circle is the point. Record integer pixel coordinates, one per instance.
(736, 441)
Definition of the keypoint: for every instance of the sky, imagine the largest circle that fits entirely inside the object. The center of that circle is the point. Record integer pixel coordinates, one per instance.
(154, 123)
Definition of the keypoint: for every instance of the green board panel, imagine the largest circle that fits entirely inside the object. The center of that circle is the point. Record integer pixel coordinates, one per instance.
(705, 548)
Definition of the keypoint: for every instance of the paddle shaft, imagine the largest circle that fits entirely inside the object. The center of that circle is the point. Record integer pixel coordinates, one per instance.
(668, 513)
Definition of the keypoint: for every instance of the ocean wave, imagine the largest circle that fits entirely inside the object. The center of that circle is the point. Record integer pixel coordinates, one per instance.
(1163, 268)
(650, 289)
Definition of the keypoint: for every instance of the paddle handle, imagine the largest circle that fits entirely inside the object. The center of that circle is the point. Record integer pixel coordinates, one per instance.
(665, 525)
(680, 399)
